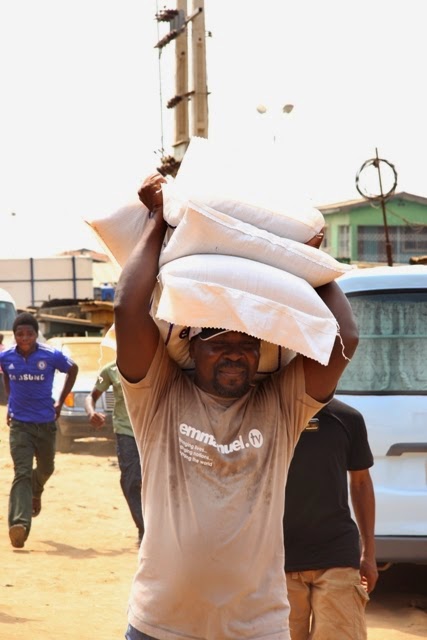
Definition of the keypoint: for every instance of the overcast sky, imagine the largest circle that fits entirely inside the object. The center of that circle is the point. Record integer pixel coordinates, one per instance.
(81, 83)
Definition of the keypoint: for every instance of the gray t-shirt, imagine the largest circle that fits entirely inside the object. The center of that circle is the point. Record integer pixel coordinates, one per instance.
(211, 565)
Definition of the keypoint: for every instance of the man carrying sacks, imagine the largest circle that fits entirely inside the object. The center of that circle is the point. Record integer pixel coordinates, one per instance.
(215, 450)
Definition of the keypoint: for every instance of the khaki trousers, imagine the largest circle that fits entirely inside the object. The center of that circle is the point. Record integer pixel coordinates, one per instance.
(327, 604)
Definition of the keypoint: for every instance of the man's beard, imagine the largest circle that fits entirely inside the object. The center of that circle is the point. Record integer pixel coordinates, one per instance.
(236, 391)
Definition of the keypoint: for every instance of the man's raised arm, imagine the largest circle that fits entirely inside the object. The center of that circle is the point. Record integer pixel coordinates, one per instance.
(320, 380)
(137, 334)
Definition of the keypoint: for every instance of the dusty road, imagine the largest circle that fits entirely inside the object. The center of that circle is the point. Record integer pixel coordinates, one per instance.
(72, 579)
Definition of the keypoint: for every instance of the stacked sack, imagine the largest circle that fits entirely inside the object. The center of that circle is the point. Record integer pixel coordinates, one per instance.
(234, 257)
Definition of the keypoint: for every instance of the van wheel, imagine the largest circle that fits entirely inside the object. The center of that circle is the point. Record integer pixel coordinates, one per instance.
(64, 444)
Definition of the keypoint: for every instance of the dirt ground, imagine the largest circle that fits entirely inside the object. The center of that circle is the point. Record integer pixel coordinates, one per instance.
(72, 579)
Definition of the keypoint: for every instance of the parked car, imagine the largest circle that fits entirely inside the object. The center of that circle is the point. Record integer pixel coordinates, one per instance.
(7, 311)
(73, 422)
(7, 316)
(387, 382)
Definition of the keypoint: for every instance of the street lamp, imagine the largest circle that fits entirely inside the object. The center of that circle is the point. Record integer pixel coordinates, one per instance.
(286, 109)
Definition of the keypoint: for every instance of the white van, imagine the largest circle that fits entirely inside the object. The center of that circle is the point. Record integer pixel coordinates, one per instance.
(7, 315)
(387, 382)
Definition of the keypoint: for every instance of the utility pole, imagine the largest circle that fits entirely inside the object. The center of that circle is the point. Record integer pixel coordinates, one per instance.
(181, 135)
(198, 94)
(381, 197)
(199, 101)
(382, 200)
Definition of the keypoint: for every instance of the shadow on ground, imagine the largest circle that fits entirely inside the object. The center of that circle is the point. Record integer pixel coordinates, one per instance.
(101, 447)
(403, 578)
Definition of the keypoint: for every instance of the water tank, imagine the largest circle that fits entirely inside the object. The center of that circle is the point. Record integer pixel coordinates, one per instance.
(107, 293)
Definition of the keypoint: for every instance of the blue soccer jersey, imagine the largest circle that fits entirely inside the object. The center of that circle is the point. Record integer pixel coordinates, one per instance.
(31, 381)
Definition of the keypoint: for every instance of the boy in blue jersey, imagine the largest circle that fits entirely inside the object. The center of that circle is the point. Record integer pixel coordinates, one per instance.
(28, 369)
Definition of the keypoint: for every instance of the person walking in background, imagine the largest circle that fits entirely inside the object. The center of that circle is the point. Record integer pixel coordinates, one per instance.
(127, 451)
(28, 368)
(329, 573)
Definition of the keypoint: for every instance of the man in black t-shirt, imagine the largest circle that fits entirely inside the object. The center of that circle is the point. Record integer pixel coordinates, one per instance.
(329, 560)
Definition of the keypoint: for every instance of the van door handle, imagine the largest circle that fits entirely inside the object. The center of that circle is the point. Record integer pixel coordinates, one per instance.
(407, 447)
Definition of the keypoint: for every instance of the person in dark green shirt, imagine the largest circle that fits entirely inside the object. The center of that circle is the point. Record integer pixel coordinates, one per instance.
(127, 452)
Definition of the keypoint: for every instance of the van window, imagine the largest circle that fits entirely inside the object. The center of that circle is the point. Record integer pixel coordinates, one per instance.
(392, 353)
(7, 315)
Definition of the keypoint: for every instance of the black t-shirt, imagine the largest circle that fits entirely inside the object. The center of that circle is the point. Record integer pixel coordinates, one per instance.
(318, 527)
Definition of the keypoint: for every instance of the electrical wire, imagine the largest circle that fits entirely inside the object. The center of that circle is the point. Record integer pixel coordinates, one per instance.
(162, 149)
(417, 227)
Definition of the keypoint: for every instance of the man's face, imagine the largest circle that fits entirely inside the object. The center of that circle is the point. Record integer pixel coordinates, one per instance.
(25, 337)
(225, 364)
